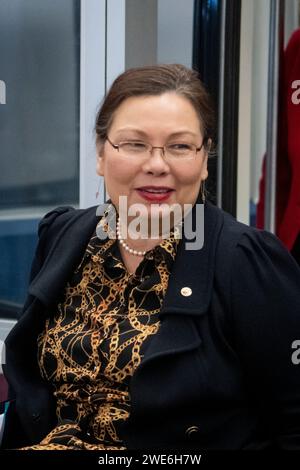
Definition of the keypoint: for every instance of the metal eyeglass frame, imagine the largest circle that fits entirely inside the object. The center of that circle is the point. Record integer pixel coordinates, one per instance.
(116, 146)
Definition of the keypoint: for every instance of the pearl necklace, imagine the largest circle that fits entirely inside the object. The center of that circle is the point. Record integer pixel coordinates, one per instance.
(124, 244)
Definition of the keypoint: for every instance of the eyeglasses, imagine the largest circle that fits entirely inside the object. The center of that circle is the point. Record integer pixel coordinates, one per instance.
(176, 151)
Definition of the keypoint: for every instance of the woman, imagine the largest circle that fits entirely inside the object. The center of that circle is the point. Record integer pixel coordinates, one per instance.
(132, 342)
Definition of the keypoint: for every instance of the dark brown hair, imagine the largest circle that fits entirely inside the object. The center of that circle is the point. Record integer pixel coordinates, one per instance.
(156, 80)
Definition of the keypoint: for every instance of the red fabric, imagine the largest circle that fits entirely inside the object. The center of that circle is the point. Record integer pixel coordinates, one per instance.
(288, 163)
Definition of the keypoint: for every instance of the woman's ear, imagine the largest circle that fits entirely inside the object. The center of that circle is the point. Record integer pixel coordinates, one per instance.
(204, 170)
(100, 157)
(209, 145)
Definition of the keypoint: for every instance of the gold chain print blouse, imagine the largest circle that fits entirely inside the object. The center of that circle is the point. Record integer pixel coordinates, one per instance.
(96, 339)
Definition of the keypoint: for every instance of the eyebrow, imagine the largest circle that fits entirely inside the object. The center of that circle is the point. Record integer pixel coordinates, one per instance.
(144, 134)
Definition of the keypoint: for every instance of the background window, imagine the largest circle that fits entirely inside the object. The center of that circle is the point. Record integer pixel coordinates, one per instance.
(39, 129)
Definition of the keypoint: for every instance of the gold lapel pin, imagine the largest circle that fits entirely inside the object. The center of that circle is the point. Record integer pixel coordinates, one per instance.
(186, 291)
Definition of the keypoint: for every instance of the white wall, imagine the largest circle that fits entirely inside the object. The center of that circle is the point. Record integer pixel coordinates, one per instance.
(141, 33)
(175, 31)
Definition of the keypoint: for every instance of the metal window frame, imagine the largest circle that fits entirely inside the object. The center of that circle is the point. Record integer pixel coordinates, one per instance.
(216, 56)
(93, 71)
(206, 60)
(231, 106)
(276, 44)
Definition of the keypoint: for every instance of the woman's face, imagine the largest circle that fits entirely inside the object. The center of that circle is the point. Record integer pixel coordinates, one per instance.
(158, 120)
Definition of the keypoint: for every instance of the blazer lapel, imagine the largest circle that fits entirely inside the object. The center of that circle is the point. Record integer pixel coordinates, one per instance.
(193, 270)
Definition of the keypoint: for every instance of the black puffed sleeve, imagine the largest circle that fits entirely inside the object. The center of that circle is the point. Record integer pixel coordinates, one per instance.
(43, 226)
(42, 246)
(265, 309)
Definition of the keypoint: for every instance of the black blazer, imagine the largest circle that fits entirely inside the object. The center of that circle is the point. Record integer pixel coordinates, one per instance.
(218, 374)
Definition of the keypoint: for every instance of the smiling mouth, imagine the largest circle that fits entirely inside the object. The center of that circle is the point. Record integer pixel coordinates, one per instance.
(156, 190)
(155, 195)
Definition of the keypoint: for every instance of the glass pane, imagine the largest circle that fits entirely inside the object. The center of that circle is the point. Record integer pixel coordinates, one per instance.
(39, 129)
(39, 138)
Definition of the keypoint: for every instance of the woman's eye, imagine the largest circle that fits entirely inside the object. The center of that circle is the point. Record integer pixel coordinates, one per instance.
(133, 147)
(179, 146)
(137, 145)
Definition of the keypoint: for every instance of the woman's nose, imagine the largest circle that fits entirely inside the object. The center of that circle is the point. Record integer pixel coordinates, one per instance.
(156, 162)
